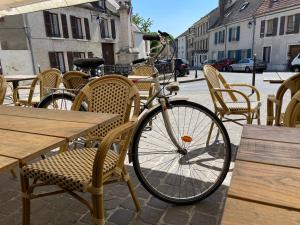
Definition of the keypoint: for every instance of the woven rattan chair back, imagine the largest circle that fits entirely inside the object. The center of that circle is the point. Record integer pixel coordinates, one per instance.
(3, 87)
(215, 80)
(292, 113)
(146, 71)
(293, 85)
(109, 94)
(49, 79)
(75, 79)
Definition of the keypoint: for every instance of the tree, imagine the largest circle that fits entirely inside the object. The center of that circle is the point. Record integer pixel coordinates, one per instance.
(143, 24)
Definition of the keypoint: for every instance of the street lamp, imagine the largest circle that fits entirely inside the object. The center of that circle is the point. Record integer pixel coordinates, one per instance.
(253, 72)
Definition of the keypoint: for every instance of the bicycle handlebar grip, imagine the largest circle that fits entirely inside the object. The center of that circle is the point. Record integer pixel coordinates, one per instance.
(151, 37)
(164, 34)
(138, 60)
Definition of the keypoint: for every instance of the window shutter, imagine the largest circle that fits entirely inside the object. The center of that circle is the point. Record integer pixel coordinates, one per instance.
(230, 35)
(70, 60)
(87, 29)
(262, 28)
(238, 55)
(282, 23)
(90, 54)
(249, 53)
(297, 23)
(47, 24)
(64, 25)
(216, 38)
(220, 37)
(238, 33)
(275, 26)
(73, 26)
(102, 28)
(113, 29)
(52, 59)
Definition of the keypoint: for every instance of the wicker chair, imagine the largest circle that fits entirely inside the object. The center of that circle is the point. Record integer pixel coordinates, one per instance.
(293, 85)
(146, 89)
(218, 88)
(292, 114)
(3, 87)
(109, 94)
(47, 79)
(75, 79)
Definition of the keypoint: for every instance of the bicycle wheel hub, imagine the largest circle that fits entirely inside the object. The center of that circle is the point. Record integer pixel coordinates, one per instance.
(187, 139)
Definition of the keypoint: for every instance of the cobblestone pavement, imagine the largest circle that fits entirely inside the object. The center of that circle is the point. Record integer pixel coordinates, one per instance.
(119, 207)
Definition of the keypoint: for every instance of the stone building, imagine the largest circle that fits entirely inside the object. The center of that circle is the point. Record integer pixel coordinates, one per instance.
(277, 34)
(181, 43)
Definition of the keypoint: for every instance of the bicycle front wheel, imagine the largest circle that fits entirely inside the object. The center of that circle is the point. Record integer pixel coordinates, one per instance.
(175, 176)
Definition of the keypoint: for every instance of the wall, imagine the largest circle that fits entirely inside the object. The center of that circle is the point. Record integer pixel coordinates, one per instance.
(16, 62)
(279, 43)
(143, 47)
(182, 47)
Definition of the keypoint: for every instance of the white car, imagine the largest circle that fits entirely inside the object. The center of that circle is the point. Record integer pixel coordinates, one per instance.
(296, 63)
(247, 65)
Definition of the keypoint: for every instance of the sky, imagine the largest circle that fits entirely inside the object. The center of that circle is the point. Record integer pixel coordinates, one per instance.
(173, 16)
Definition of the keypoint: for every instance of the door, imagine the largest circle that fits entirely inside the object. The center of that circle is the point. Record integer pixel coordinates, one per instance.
(108, 53)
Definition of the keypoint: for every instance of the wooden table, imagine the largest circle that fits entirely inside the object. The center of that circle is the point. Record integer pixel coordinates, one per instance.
(277, 77)
(15, 79)
(265, 186)
(27, 133)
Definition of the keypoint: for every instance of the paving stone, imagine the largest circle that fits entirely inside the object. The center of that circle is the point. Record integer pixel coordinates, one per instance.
(203, 219)
(141, 192)
(150, 216)
(122, 217)
(175, 217)
(158, 204)
(129, 204)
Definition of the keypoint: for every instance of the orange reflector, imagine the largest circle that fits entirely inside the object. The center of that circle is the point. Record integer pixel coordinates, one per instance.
(186, 138)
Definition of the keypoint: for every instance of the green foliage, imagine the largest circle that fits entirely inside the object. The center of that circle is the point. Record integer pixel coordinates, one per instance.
(143, 24)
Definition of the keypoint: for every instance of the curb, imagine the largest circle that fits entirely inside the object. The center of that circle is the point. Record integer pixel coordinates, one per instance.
(192, 80)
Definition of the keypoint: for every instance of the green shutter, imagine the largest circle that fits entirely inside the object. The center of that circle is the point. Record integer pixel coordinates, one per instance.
(230, 35)
(216, 38)
(249, 53)
(262, 28)
(238, 33)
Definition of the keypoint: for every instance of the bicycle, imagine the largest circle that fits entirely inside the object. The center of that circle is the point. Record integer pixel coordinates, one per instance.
(181, 151)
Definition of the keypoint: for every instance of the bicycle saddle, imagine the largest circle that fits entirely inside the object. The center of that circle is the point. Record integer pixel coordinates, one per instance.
(88, 63)
(172, 87)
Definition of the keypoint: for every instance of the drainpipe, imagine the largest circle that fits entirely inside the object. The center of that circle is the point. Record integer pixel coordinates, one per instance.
(225, 42)
(253, 34)
(28, 35)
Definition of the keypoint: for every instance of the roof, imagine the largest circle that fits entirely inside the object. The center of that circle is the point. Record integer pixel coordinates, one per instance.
(183, 34)
(235, 12)
(270, 6)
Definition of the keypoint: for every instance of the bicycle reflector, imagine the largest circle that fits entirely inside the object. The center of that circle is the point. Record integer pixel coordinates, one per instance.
(186, 139)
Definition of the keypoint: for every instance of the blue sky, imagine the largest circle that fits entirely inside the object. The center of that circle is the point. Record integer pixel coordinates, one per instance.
(173, 16)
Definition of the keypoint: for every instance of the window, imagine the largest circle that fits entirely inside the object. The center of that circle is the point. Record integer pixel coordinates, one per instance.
(51, 24)
(57, 61)
(234, 33)
(267, 54)
(272, 27)
(74, 55)
(291, 24)
(104, 28)
(76, 27)
(113, 29)
(220, 37)
(244, 6)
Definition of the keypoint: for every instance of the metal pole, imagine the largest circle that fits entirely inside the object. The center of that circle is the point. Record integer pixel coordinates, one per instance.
(196, 75)
(254, 71)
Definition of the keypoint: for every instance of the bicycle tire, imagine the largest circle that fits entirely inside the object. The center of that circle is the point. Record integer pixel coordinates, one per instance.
(53, 98)
(152, 178)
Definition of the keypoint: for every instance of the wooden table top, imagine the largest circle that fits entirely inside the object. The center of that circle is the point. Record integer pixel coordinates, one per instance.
(11, 78)
(7, 163)
(25, 146)
(265, 184)
(60, 115)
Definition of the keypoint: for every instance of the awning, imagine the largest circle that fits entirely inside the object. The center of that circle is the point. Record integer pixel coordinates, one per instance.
(13, 7)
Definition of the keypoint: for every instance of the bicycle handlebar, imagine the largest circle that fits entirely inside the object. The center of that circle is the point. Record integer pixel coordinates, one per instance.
(139, 60)
(151, 37)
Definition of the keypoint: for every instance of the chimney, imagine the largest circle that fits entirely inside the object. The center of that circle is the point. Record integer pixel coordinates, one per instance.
(222, 4)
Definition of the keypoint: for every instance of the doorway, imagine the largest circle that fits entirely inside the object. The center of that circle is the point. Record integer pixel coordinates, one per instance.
(108, 53)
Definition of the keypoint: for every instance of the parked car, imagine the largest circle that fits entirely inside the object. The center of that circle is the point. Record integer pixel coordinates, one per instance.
(247, 65)
(223, 65)
(296, 63)
(181, 67)
(163, 66)
(207, 62)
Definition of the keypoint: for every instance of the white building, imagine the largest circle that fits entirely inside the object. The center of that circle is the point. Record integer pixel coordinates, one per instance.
(233, 34)
(277, 36)
(182, 46)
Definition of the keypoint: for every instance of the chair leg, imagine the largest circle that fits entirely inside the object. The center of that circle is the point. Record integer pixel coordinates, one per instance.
(209, 133)
(249, 118)
(126, 178)
(98, 209)
(25, 200)
(258, 116)
(13, 173)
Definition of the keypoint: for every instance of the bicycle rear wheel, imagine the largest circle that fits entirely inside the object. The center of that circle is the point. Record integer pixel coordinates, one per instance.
(60, 101)
(171, 175)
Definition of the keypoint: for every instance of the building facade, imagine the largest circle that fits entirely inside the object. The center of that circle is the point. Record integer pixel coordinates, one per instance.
(277, 34)
(182, 46)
